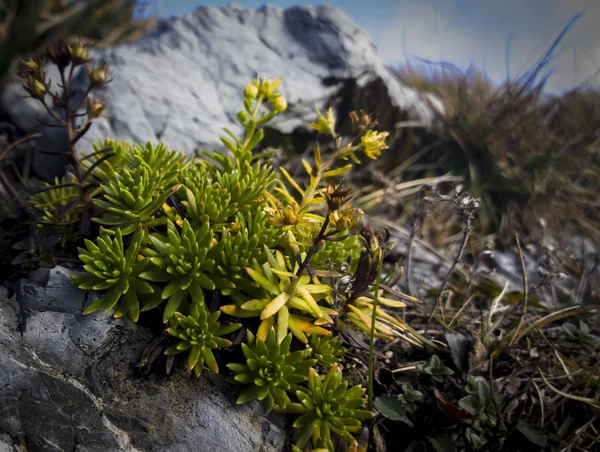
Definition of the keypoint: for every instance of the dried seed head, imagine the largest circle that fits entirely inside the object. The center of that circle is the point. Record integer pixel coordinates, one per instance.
(59, 54)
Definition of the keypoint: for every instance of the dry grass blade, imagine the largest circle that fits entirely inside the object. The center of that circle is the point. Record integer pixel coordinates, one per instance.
(553, 317)
(14, 144)
(525, 289)
(587, 400)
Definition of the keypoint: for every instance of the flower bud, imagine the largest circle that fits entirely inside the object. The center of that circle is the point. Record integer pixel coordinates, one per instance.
(279, 104)
(79, 54)
(251, 91)
(36, 88)
(264, 87)
(290, 215)
(98, 76)
(242, 117)
(94, 108)
(31, 65)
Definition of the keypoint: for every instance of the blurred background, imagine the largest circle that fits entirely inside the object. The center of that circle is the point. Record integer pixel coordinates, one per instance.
(502, 38)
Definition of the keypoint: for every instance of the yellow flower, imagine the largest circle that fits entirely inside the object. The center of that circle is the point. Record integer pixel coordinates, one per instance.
(268, 87)
(298, 220)
(284, 215)
(345, 219)
(373, 143)
(325, 126)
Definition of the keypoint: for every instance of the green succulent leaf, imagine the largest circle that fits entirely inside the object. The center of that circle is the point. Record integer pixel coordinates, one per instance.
(327, 350)
(180, 258)
(115, 270)
(270, 370)
(327, 406)
(199, 332)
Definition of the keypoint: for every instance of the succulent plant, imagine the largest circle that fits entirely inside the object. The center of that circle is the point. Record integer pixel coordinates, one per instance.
(164, 164)
(327, 350)
(258, 224)
(204, 199)
(246, 184)
(228, 225)
(132, 197)
(434, 369)
(180, 260)
(232, 254)
(327, 406)
(284, 290)
(112, 269)
(270, 370)
(199, 333)
(108, 157)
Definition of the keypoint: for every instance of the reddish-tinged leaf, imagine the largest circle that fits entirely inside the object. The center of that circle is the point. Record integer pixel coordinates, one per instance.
(449, 408)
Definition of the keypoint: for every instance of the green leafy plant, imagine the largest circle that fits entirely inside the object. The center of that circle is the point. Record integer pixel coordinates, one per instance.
(327, 350)
(175, 230)
(133, 197)
(434, 369)
(180, 259)
(199, 333)
(396, 407)
(580, 334)
(285, 290)
(52, 202)
(270, 370)
(479, 404)
(327, 406)
(112, 268)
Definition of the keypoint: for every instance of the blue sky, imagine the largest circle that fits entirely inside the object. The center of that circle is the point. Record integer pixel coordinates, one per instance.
(464, 32)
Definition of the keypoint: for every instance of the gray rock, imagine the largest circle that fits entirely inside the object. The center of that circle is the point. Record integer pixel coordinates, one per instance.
(182, 83)
(66, 383)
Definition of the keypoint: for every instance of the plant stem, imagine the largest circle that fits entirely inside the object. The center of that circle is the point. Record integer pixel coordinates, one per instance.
(313, 249)
(372, 333)
(463, 245)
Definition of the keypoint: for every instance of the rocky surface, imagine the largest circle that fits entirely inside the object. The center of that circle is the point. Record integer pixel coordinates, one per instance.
(183, 82)
(67, 383)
